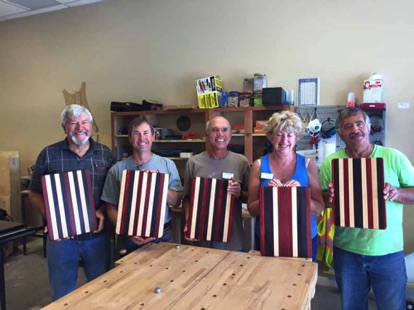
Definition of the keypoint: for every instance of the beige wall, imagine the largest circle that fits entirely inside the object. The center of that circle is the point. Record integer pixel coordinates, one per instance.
(128, 50)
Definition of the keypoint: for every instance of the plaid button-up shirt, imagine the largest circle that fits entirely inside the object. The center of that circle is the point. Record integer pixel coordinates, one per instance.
(59, 158)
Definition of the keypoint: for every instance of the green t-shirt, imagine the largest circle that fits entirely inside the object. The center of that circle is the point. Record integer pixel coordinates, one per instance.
(399, 172)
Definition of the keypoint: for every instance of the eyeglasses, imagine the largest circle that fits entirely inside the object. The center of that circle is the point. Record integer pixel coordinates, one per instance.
(223, 130)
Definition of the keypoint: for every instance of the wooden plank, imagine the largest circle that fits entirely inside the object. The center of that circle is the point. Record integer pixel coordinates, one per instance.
(131, 285)
(10, 181)
(5, 203)
(244, 281)
(195, 278)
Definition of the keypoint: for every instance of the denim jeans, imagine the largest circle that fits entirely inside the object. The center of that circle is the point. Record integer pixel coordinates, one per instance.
(357, 274)
(125, 243)
(63, 262)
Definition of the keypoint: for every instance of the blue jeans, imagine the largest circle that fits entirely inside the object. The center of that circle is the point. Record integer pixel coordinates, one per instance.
(125, 242)
(63, 262)
(357, 274)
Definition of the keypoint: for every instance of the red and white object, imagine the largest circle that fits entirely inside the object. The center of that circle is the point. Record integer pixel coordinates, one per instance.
(142, 203)
(373, 88)
(211, 210)
(285, 221)
(69, 204)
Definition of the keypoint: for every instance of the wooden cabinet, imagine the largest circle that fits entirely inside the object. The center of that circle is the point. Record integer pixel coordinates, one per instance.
(169, 143)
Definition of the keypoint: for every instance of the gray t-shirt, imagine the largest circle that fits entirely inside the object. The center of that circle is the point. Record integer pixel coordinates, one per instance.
(202, 165)
(112, 187)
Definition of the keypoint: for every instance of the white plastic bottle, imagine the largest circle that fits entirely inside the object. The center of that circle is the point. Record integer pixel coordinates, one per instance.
(351, 100)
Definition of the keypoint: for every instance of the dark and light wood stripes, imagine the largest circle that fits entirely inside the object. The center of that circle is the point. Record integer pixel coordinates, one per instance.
(211, 210)
(358, 188)
(142, 203)
(285, 221)
(69, 204)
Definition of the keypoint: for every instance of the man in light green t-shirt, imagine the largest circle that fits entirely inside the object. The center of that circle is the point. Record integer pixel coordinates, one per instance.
(370, 258)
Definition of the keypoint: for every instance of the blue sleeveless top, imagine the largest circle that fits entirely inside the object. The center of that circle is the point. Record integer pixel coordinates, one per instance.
(300, 175)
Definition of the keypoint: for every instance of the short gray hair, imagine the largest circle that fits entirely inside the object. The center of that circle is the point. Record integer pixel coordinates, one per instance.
(74, 111)
(347, 112)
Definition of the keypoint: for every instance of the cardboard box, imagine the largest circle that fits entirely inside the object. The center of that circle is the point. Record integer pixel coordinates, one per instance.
(373, 88)
(209, 92)
(260, 123)
(238, 129)
(209, 100)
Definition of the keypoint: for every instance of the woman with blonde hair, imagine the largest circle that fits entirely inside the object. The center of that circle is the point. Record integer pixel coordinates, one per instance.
(285, 168)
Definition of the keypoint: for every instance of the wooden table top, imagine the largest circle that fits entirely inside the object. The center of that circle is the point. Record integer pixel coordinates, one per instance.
(192, 277)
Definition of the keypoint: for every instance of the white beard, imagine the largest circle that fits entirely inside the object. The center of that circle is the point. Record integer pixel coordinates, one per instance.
(80, 142)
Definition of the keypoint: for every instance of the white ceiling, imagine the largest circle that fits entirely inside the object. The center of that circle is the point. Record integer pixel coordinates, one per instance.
(10, 9)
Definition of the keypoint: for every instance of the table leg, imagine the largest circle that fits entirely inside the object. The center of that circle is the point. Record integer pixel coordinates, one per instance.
(176, 225)
(248, 225)
(45, 236)
(2, 285)
(23, 209)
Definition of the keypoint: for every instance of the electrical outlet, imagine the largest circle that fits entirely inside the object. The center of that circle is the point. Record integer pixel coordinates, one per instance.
(403, 105)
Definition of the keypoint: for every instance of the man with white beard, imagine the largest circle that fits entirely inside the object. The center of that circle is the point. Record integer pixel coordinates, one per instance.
(78, 151)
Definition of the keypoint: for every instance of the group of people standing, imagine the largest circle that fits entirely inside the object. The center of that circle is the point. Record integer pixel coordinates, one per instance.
(363, 258)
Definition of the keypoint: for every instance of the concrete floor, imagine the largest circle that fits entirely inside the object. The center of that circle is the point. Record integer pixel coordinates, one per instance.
(27, 286)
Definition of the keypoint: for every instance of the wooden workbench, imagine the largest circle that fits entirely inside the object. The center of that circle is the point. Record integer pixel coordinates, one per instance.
(197, 278)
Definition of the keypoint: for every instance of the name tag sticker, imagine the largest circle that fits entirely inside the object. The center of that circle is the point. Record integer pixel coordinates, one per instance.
(267, 176)
(227, 175)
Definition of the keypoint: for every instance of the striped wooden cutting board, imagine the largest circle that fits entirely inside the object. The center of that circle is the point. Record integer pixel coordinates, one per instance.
(358, 187)
(142, 203)
(211, 210)
(69, 204)
(285, 221)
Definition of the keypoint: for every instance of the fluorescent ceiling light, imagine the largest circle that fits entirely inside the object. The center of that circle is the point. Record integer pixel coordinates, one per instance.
(10, 9)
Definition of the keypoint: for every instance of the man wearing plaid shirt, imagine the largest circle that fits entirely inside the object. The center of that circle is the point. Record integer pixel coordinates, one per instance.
(76, 152)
